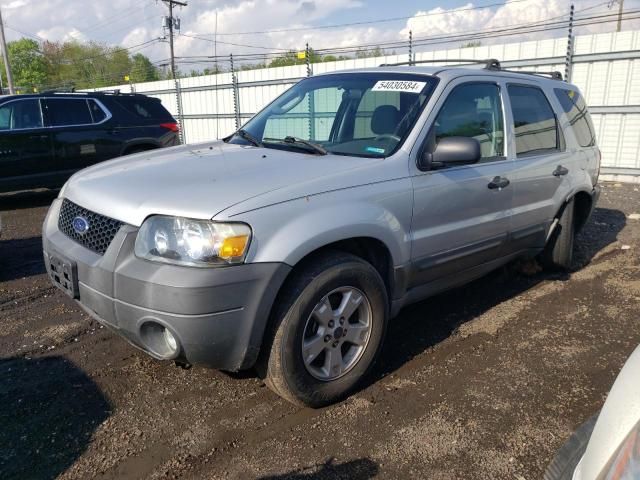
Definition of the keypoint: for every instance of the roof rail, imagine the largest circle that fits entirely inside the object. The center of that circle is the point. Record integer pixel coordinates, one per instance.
(59, 90)
(555, 75)
(99, 92)
(489, 63)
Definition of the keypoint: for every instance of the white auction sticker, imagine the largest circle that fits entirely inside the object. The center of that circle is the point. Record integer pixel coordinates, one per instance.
(398, 86)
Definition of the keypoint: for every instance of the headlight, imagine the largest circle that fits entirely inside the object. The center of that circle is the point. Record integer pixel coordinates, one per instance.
(196, 243)
(625, 463)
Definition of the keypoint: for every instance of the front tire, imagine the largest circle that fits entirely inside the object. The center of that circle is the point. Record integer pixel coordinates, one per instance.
(327, 329)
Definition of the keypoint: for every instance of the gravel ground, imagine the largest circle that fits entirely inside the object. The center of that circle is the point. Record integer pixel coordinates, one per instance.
(486, 381)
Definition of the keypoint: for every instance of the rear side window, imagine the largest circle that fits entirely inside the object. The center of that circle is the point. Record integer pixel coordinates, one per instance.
(68, 111)
(576, 109)
(534, 120)
(144, 108)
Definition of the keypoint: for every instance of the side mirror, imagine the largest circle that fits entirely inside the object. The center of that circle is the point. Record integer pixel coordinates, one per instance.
(451, 151)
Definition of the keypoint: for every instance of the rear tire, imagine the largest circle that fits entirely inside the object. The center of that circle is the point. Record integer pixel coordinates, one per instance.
(558, 253)
(568, 457)
(327, 329)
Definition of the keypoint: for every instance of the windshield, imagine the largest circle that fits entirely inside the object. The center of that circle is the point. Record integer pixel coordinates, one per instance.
(358, 114)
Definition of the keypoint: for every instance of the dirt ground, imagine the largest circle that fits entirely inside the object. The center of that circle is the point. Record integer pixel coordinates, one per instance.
(486, 381)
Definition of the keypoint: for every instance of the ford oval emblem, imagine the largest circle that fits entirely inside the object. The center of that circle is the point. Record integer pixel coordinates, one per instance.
(80, 225)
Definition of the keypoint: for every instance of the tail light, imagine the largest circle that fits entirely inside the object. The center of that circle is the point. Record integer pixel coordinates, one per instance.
(173, 126)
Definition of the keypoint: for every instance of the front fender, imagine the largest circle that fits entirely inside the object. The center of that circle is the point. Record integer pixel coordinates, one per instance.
(289, 231)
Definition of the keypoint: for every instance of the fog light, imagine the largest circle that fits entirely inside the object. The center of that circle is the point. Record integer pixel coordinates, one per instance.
(159, 340)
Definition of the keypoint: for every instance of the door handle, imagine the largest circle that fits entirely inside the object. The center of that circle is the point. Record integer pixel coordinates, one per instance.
(499, 183)
(560, 171)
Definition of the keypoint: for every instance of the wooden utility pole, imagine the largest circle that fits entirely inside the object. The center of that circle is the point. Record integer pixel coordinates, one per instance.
(5, 55)
(621, 2)
(171, 4)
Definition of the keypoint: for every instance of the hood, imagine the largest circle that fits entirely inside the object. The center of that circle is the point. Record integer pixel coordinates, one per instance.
(198, 181)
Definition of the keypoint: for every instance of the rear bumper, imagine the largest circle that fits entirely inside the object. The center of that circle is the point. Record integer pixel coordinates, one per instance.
(217, 315)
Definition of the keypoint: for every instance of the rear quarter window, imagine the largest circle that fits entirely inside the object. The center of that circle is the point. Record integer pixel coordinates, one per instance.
(146, 109)
(576, 109)
(97, 113)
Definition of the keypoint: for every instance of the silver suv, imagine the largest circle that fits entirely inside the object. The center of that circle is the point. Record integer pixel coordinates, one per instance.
(289, 245)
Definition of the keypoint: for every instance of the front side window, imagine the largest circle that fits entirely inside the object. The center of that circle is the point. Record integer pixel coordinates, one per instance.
(20, 115)
(64, 112)
(474, 110)
(359, 114)
(535, 123)
(576, 109)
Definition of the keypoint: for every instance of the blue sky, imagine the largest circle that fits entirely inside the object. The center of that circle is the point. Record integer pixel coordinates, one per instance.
(374, 9)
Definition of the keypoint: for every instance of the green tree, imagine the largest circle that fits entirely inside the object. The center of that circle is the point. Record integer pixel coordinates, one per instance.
(333, 58)
(28, 64)
(142, 70)
(213, 70)
(291, 58)
(368, 53)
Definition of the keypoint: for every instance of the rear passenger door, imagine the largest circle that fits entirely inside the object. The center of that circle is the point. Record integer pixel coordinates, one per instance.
(543, 163)
(80, 131)
(459, 220)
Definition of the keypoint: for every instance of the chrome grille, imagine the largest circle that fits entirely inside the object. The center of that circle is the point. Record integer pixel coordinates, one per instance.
(101, 230)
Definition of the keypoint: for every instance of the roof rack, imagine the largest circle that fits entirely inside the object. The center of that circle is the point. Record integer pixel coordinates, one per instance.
(489, 63)
(555, 75)
(99, 92)
(59, 90)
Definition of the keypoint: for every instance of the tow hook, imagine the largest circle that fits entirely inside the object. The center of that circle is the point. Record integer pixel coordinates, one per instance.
(182, 365)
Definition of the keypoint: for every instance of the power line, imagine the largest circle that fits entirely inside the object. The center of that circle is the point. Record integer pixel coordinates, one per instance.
(26, 34)
(390, 44)
(369, 22)
(122, 14)
(233, 44)
(534, 27)
(545, 24)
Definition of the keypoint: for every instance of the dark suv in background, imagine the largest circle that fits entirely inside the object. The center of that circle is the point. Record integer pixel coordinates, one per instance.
(45, 138)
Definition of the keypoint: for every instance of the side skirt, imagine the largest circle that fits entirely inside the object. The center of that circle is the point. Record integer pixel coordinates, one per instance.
(422, 292)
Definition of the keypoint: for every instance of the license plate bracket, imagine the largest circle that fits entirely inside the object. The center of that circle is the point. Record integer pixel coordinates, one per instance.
(64, 274)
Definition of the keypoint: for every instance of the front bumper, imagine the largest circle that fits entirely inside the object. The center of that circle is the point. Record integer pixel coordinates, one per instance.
(217, 315)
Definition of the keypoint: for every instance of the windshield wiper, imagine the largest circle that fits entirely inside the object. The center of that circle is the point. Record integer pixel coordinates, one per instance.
(299, 141)
(242, 133)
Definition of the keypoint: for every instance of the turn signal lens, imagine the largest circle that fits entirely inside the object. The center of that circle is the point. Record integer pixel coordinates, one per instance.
(233, 247)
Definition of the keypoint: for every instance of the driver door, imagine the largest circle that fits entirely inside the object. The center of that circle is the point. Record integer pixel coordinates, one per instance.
(461, 223)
